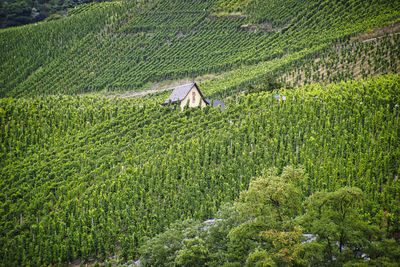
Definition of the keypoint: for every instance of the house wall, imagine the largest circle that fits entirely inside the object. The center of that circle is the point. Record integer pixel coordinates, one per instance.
(198, 100)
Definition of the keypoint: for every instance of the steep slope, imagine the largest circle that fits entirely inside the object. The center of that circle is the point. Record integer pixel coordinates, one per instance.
(28, 49)
(89, 177)
(21, 12)
(352, 59)
(123, 48)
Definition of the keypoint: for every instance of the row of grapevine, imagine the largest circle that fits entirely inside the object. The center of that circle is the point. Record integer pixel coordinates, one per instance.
(350, 60)
(27, 49)
(90, 177)
(122, 48)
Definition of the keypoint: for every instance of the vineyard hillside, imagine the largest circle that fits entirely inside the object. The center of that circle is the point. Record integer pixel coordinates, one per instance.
(88, 177)
(93, 170)
(122, 46)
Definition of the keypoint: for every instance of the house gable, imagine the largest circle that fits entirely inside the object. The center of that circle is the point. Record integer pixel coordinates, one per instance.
(179, 93)
(194, 98)
(190, 95)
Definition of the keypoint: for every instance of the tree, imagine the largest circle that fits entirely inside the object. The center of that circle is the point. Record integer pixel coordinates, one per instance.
(266, 82)
(193, 253)
(161, 250)
(217, 234)
(334, 218)
(271, 235)
(272, 196)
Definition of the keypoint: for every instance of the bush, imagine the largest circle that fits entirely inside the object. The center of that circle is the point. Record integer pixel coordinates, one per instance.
(53, 17)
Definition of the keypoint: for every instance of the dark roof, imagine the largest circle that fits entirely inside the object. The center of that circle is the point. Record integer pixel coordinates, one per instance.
(180, 93)
(215, 103)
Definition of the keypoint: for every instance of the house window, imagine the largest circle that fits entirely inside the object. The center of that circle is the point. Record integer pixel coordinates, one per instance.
(193, 97)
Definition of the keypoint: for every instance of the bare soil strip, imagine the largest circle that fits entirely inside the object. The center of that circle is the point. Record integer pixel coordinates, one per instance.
(165, 86)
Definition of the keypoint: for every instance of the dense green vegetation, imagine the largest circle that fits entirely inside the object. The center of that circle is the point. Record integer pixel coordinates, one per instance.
(274, 224)
(26, 50)
(21, 12)
(89, 177)
(122, 47)
(349, 60)
(353, 59)
(86, 176)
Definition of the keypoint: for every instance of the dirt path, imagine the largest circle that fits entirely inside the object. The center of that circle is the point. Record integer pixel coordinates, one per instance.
(143, 93)
(165, 86)
(377, 33)
(376, 38)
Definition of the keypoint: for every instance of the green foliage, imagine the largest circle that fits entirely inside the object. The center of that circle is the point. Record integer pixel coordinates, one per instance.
(13, 13)
(217, 239)
(269, 196)
(270, 237)
(338, 234)
(236, 235)
(89, 177)
(265, 83)
(27, 50)
(260, 257)
(192, 243)
(121, 47)
(21, 12)
(193, 253)
(176, 244)
(357, 58)
(334, 218)
(53, 17)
